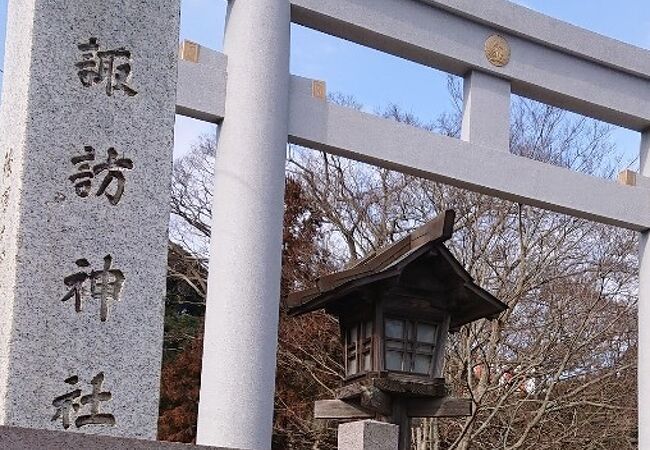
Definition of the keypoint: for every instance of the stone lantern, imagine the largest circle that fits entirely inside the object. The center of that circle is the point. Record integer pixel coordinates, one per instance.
(396, 308)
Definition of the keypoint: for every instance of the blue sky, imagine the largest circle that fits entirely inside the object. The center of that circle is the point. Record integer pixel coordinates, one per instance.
(375, 79)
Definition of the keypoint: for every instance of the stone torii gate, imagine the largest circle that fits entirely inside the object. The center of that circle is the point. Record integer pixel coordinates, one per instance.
(86, 146)
(498, 47)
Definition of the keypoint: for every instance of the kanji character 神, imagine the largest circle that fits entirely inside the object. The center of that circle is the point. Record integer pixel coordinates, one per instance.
(105, 285)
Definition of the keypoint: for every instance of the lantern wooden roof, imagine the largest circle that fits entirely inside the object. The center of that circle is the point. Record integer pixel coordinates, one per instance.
(419, 262)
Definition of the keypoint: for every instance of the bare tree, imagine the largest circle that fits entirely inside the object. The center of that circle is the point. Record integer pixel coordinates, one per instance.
(557, 370)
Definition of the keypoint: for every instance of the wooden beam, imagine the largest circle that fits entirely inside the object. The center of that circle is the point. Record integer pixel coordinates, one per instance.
(339, 410)
(400, 417)
(375, 400)
(395, 384)
(370, 398)
(441, 407)
(410, 386)
(415, 407)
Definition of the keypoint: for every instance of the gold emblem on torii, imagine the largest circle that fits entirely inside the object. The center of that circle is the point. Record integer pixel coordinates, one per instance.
(497, 50)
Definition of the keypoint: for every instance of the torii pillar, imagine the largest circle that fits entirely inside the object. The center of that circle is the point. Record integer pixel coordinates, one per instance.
(643, 366)
(238, 376)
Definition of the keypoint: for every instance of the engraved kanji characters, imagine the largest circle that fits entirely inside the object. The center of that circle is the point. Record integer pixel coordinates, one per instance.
(113, 69)
(77, 282)
(114, 168)
(82, 179)
(94, 399)
(70, 404)
(105, 285)
(66, 404)
(110, 66)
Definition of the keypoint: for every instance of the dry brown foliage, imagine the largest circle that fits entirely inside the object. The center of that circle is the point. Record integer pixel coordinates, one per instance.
(179, 392)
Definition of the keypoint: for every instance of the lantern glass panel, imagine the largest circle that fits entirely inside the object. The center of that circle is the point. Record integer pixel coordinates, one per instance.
(395, 329)
(409, 346)
(426, 333)
(422, 364)
(425, 348)
(393, 360)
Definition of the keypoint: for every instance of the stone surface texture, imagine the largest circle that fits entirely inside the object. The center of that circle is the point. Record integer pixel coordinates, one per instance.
(542, 28)
(452, 38)
(644, 310)
(29, 439)
(486, 111)
(354, 134)
(238, 375)
(47, 118)
(202, 86)
(368, 435)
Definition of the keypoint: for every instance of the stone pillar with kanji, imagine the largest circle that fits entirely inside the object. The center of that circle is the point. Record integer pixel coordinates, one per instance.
(87, 120)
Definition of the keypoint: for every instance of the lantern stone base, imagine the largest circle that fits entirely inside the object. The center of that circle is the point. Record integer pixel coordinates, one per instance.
(368, 435)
